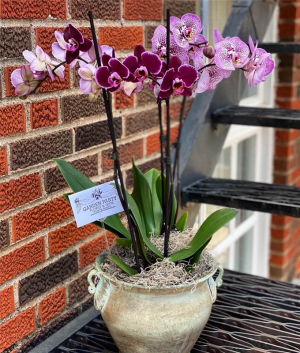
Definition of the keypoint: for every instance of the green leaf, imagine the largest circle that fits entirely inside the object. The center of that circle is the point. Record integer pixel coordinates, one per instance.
(212, 224)
(131, 271)
(181, 223)
(159, 195)
(151, 176)
(196, 257)
(126, 243)
(135, 211)
(143, 198)
(79, 182)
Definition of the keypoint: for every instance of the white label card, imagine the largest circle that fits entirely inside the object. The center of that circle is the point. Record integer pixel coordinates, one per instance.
(95, 203)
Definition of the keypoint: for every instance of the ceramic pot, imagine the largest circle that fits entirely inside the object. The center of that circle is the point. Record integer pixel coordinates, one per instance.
(160, 320)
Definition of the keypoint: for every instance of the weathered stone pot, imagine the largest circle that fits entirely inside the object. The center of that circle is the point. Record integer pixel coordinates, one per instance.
(160, 320)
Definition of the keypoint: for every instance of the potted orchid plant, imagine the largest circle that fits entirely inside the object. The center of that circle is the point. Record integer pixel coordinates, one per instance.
(154, 286)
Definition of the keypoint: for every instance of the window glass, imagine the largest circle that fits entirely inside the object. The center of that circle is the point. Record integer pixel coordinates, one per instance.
(243, 252)
(223, 258)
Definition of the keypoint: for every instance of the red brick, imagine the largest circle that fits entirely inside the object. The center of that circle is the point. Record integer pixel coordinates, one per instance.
(53, 305)
(286, 135)
(7, 302)
(3, 161)
(284, 164)
(122, 101)
(12, 120)
(284, 150)
(289, 12)
(17, 192)
(286, 91)
(40, 217)
(17, 328)
(153, 141)
(126, 152)
(64, 237)
(122, 38)
(22, 259)
(283, 246)
(90, 251)
(143, 10)
(282, 260)
(288, 29)
(280, 220)
(47, 86)
(28, 9)
(294, 104)
(44, 113)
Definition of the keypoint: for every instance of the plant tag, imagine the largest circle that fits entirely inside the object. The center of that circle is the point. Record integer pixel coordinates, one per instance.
(95, 203)
(212, 289)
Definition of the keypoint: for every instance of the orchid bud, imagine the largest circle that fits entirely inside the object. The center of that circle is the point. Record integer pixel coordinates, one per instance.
(209, 52)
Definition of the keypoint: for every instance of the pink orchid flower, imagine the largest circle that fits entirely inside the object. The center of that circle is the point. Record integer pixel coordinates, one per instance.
(259, 66)
(178, 79)
(69, 45)
(231, 53)
(186, 29)
(159, 45)
(24, 81)
(41, 63)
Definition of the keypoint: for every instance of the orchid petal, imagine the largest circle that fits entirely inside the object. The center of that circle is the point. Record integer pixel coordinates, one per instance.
(118, 67)
(132, 87)
(105, 49)
(166, 94)
(102, 75)
(192, 21)
(86, 73)
(60, 39)
(188, 74)
(41, 55)
(37, 65)
(71, 55)
(152, 62)
(23, 89)
(167, 80)
(86, 45)
(175, 23)
(29, 55)
(187, 92)
(203, 82)
(218, 36)
(138, 51)
(60, 71)
(16, 77)
(85, 86)
(131, 62)
(58, 52)
(26, 73)
(75, 33)
(251, 45)
(175, 63)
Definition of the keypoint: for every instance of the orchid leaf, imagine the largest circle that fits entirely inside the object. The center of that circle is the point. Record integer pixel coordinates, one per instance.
(159, 195)
(151, 177)
(212, 224)
(131, 271)
(139, 222)
(196, 257)
(126, 243)
(143, 198)
(79, 182)
(181, 224)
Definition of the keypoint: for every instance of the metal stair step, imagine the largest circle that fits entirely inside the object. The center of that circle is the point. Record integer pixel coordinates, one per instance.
(248, 195)
(281, 47)
(268, 117)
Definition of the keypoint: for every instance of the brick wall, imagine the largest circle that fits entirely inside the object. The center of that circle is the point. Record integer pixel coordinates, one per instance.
(44, 258)
(285, 242)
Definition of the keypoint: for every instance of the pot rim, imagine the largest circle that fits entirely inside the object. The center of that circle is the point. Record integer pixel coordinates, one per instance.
(176, 286)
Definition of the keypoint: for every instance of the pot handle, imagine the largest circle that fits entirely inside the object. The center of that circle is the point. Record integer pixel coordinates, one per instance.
(219, 280)
(92, 287)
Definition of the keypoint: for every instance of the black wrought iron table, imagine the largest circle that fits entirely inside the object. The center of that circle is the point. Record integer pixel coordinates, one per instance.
(252, 315)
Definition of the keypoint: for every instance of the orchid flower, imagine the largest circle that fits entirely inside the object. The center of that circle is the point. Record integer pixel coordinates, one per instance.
(104, 50)
(259, 66)
(186, 29)
(40, 63)
(70, 44)
(143, 63)
(113, 76)
(159, 45)
(24, 81)
(231, 53)
(178, 79)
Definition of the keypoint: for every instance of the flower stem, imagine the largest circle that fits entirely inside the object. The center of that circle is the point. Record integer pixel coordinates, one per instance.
(204, 67)
(122, 194)
(79, 58)
(153, 79)
(162, 166)
(199, 44)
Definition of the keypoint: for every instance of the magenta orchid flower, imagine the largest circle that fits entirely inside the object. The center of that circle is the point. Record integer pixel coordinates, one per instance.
(143, 63)
(104, 50)
(186, 29)
(159, 45)
(259, 66)
(41, 63)
(24, 81)
(113, 76)
(70, 44)
(231, 53)
(178, 79)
